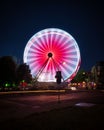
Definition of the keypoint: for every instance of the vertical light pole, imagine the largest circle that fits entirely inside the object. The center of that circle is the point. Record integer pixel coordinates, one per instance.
(58, 80)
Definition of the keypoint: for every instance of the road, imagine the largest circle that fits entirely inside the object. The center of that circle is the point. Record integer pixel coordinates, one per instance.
(21, 105)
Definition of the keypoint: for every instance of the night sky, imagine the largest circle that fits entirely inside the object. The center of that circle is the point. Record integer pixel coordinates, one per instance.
(19, 21)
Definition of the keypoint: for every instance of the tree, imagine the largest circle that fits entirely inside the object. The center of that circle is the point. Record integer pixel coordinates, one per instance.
(81, 76)
(23, 73)
(7, 70)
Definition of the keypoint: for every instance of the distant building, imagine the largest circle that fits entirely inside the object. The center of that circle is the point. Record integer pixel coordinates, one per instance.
(97, 73)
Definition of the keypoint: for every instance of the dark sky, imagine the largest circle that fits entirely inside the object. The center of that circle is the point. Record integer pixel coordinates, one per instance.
(20, 20)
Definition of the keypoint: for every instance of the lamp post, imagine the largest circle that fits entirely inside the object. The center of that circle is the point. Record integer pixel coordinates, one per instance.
(58, 80)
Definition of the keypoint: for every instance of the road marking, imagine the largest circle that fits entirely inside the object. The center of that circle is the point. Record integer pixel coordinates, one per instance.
(83, 104)
(31, 91)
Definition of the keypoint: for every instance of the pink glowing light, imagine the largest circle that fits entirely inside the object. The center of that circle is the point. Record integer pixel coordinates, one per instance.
(65, 53)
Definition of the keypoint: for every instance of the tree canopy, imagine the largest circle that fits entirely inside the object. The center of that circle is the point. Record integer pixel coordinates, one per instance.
(7, 70)
(11, 73)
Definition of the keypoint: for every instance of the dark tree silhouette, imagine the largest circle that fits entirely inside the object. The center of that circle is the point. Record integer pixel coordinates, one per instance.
(81, 76)
(7, 70)
(23, 73)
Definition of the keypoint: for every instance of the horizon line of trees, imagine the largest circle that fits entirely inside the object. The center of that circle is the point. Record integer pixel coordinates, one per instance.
(11, 73)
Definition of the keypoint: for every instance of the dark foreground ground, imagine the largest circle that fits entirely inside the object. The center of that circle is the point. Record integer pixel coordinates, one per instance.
(68, 117)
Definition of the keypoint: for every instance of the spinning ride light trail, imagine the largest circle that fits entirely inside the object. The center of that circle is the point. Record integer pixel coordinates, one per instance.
(50, 50)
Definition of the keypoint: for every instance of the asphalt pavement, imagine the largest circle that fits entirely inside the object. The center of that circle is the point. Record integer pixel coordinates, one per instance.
(15, 105)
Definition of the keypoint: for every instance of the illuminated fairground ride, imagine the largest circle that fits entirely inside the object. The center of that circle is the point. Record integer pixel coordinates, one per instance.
(52, 50)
